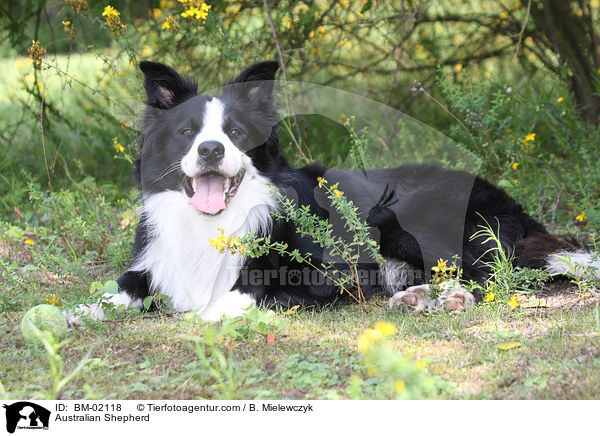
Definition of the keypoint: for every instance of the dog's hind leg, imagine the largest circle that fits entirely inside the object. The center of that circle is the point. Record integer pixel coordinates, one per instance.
(453, 298)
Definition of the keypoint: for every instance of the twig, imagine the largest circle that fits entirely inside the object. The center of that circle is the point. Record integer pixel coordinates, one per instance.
(523, 29)
(44, 142)
(284, 71)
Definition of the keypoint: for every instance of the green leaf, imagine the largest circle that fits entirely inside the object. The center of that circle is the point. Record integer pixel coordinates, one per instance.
(111, 287)
(148, 302)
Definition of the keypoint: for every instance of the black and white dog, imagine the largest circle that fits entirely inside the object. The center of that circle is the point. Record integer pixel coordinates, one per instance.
(210, 164)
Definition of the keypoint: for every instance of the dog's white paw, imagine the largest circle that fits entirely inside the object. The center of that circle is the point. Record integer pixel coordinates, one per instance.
(75, 316)
(232, 304)
(95, 311)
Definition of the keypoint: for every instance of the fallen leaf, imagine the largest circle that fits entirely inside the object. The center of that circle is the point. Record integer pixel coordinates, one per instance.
(535, 302)
(505, 346)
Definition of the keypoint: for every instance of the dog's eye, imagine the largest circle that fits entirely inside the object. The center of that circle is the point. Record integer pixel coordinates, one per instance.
(187, 131)
(235, 132)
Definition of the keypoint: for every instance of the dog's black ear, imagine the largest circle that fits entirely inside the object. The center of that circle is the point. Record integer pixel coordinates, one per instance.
(164, 87)
(255, 83)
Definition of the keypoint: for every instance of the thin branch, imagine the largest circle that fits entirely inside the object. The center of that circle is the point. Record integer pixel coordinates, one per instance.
(284, 71)
(523, 29)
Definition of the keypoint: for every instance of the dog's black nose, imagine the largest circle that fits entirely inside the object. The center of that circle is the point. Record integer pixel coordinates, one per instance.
(211, 151)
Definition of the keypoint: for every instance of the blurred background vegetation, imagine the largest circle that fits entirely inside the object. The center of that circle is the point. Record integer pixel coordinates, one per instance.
(515, 82)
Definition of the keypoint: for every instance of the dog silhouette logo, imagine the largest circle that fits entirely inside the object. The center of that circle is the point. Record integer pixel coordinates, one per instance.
(26, 415)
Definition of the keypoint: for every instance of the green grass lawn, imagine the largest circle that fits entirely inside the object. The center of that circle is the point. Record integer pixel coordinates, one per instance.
(83, 228)
(314, 354)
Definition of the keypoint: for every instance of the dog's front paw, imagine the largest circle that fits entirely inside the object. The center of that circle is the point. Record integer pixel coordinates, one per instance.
(75, 316)
(415, 297)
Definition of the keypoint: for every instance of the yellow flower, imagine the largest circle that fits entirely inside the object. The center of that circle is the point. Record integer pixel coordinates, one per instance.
(490, 296)
(338, 193)
(225, 243)
(441, 266)
(514, 302)
(385, 328)
(559, 100)
(199, 13)
(581, 217)
(53, 300)
(458, 68)
(368, 339)
(166, 25)
(321, 181)
(109, 12)
(29, 241)
(119, 147)
(529, 138)
(420, 364)
(399, 386)
(515, 165)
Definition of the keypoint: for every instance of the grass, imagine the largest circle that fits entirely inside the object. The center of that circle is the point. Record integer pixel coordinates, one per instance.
(315, 355)
(83, 230)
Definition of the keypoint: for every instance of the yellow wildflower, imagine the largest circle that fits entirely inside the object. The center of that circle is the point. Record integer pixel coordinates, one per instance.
(321, 181)
(420, 364)
(581, 217)
(170, 24)
(458, 68)
(490, 296)
(36, 52)
(515, 165)
(225, 243)
(119, 147)
(559, 100)
(338, 193)
(53, 300)
(514, 302)
(441, 266)
(113, 21)
(29, 241)
(197, 11)
(368, 339)
(529, 138)
(110, 12)
(399, 386)
(385, 328)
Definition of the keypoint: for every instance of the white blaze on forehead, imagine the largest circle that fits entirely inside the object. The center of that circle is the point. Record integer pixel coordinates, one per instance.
(212, 130)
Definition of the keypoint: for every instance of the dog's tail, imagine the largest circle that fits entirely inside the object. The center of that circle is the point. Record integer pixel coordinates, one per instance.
(558, 257)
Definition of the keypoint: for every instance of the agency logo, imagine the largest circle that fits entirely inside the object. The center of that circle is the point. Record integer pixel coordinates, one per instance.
(26, 415)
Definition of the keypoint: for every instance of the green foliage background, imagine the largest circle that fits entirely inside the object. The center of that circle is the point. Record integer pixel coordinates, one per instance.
(487, 74)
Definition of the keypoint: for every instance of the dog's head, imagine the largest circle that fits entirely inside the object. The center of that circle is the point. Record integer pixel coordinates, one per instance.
(201, 145)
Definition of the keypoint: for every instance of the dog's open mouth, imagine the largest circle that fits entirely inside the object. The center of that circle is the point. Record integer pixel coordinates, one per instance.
(211, 191)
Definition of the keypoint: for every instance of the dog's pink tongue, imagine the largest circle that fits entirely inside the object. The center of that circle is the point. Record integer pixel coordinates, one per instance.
(208, 197)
